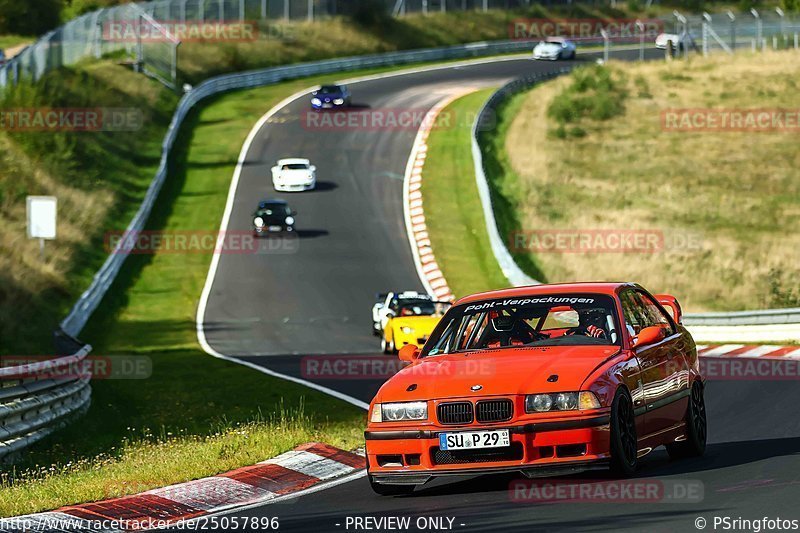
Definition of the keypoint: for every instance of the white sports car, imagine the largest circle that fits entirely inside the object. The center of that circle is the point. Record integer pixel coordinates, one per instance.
(294, 174)
(554, 48)
(678, 40)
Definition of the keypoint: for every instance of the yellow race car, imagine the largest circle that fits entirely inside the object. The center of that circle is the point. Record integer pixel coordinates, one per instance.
(411, 323)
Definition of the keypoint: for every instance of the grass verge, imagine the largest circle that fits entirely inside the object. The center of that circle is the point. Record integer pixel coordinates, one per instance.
(453, 211)
(726, 202)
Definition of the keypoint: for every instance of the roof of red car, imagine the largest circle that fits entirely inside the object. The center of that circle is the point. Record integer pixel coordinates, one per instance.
(554, 288)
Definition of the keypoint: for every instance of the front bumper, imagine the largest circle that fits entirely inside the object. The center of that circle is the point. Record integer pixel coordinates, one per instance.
(295, 187)
(409, 456)
(416, 338)
(271, 230)
(327, 105)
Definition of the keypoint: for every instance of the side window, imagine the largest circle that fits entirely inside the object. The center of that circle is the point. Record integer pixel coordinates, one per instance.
(634, 320)
(655, 316)
(393, 305)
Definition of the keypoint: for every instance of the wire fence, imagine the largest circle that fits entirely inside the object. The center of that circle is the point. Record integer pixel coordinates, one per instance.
(148, 34)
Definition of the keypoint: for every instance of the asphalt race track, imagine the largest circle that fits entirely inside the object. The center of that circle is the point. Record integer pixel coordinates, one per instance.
(314, 300)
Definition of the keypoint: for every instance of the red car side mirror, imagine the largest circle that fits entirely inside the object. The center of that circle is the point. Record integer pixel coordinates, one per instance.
(671, 303)
(649, 335)
(409, 353)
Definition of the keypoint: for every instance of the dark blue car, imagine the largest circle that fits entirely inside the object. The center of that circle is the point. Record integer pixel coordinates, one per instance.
(330, 97)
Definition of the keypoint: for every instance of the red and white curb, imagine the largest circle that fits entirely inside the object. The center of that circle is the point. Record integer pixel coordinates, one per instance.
(291, 472)
(428, 269)
(761, 351)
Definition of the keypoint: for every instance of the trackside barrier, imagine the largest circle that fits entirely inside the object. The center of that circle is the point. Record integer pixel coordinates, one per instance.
(38, 398)
(772, 325)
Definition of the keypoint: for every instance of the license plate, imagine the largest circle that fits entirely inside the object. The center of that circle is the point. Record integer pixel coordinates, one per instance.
(470, 440)
(274, 228)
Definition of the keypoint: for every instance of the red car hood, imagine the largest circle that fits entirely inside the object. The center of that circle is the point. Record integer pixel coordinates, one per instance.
(498, 372)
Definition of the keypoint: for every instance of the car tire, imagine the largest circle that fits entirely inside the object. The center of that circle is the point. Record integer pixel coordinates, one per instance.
(387, 346)
(390, 490)
(624, 443)
(696, 427)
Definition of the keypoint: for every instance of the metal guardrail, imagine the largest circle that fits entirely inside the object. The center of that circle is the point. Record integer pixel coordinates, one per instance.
(39, 397)
(744, 318)
(516, 276)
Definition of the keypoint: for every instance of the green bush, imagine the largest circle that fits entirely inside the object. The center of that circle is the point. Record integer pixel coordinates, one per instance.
(595, 93)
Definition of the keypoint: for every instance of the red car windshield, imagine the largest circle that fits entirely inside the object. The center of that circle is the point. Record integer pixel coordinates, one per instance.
(542, 320)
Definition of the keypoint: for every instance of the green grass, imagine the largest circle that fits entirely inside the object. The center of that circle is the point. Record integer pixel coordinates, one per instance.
(10, 41)
(100, 179)
(453, 210)
(726, 202)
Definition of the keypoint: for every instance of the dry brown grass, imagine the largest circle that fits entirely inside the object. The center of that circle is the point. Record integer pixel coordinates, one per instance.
(737, 192)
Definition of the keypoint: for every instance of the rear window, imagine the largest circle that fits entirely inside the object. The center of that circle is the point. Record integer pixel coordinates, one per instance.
(541, 320)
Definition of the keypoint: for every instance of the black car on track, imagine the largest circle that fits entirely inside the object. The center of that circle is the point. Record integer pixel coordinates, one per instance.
(273, 217)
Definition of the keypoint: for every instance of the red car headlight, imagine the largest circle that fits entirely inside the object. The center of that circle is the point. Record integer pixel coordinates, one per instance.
(561, 401)
(398, 412)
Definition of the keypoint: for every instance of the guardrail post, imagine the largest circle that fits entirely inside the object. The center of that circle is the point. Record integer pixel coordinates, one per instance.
(241, 10)
(286, 12)
(174, 70)
(139, 49)
(640, 27)
(795, 41)
(202, 8)
(604, 33)
(732, 18)
(221, 11)
(98, 35)
(781, 14)
(443, 6)
(758, 24)
(311, 10)
(706, 22)
(263, 9)
(486, 5)
(183, 11)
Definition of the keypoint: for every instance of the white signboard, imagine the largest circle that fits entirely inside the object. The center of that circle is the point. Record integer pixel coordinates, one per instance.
(42, 217)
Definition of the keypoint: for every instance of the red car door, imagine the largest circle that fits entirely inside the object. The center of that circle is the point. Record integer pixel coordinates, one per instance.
(665, 374)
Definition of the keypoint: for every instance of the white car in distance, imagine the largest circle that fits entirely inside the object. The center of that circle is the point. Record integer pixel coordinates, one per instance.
(554, 48)
(294, 174)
